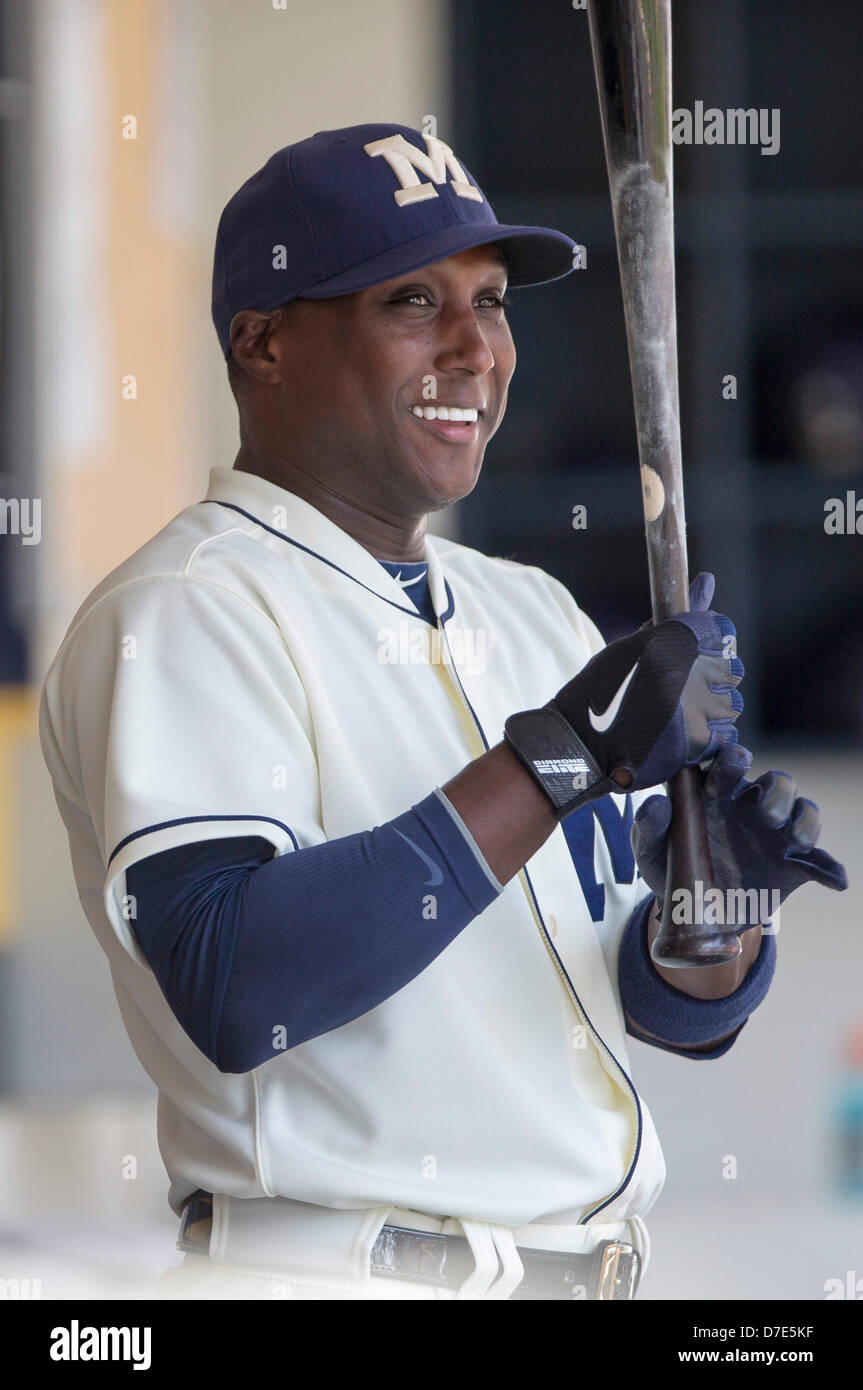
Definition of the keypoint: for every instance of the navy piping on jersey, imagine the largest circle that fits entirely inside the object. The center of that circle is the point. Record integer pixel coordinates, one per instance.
(585, 1015)
(317, 556)
(631, 1170)
(196, 820)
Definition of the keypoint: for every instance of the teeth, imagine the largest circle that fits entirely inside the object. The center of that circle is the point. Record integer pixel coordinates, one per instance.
(467, 414)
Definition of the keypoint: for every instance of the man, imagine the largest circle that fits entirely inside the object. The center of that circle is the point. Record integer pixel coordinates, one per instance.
(350, 805)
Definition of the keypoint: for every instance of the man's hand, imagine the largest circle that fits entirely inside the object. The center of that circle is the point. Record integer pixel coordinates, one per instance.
(642, 708)
(762, 834)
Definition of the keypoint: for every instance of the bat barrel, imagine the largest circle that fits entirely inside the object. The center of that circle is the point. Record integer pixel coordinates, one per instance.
(632, 59)
(631, 42)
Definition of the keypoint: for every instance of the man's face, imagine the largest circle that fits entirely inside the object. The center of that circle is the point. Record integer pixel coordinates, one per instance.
(362, 372)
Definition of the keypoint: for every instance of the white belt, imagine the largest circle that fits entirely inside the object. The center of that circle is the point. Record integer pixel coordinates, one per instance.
(276, 1237)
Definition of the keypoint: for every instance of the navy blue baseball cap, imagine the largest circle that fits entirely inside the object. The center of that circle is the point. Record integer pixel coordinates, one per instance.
(347, 209)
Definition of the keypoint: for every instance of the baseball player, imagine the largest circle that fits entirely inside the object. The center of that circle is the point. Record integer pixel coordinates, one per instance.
(370, 825)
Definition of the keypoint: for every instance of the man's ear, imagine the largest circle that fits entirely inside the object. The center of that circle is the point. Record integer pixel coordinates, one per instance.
(254, 343)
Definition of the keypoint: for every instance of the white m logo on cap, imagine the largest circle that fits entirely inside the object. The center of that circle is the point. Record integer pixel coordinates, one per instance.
(404, 159)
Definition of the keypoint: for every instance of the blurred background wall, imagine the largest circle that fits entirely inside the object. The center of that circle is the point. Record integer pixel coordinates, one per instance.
(124, 128)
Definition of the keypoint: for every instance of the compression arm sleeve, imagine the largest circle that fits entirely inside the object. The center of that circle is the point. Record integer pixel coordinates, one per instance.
(255, 953)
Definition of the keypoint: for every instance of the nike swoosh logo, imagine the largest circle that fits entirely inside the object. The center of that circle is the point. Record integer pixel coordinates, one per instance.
(601, 722)
(437, 874)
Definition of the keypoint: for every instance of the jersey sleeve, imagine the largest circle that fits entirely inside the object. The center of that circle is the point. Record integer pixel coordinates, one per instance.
(181, 717)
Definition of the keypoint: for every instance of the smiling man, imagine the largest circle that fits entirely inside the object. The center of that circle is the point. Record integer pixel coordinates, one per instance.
(376, 927)
(398, 387)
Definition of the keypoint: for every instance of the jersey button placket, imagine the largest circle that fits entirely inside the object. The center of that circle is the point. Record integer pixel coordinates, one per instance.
(527, 888)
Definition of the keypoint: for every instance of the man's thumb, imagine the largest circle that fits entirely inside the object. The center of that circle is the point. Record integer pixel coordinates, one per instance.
(701, 592)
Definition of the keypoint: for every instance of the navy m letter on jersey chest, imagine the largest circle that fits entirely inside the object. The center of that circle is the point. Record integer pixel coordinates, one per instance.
(580, 829)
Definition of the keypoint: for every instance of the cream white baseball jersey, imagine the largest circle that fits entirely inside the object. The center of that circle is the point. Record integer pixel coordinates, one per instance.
(253, 670)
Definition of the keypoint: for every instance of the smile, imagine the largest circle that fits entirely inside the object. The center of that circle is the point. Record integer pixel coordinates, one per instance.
(456, 424)
(468, 414)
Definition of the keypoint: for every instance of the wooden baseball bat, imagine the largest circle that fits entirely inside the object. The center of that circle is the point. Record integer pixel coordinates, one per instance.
(631, 43)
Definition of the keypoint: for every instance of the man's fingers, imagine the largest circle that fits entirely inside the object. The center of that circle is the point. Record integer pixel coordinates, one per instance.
(804, 827)
(701, 592)
(728, 768)
(715, 671)
(773, 795)
(650, 827)
(820, 867)
(709, 713)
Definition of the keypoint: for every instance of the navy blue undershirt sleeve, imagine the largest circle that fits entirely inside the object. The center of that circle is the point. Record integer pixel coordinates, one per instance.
(257, 954)
(682, 1022)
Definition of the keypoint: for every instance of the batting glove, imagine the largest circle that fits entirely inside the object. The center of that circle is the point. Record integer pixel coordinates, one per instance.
(762, 834)
(661, 699)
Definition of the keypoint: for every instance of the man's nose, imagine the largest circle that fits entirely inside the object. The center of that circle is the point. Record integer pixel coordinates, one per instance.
(463, 342)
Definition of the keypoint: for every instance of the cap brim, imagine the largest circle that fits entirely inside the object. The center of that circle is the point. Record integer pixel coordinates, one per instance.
(534, 255)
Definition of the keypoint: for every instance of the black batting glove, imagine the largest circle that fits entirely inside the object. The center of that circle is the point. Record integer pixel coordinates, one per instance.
(663, 698)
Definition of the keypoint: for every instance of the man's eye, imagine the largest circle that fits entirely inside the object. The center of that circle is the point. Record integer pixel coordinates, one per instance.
(495, 301)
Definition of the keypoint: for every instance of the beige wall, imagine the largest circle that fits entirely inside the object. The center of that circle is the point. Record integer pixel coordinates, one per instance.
(276, 76)
(127, 229)
(123, 255)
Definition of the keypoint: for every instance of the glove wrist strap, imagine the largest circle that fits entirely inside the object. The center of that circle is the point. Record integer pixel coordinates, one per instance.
(556, 758)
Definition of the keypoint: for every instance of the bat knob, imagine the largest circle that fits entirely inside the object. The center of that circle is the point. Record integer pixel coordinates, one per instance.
(682, 948)
(684, 938)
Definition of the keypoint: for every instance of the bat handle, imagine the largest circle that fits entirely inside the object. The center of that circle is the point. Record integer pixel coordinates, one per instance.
(679, 945)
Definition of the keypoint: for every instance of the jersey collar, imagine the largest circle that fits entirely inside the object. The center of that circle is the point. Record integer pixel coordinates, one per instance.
(285, 514)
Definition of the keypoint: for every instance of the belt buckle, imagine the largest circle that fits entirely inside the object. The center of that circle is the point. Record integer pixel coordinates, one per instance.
(615, 1271)
(196, 1224)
